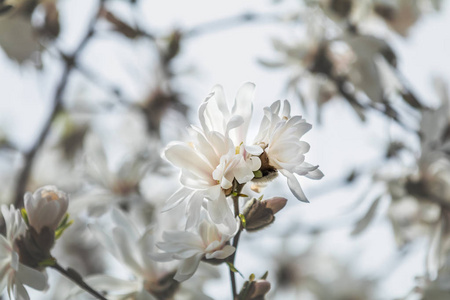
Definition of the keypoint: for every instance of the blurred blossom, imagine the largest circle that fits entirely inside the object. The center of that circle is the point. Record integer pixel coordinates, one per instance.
(13, 274)
(119, 187)
(21, 37)
(151, 280)
(318, 276)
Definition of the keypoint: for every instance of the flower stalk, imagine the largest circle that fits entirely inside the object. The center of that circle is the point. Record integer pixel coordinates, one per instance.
(237, 191)
(76, 278)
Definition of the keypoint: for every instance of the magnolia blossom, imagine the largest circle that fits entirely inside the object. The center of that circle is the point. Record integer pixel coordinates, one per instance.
(209, 241)
(110, 187)
(279, 135)
(46, 207)
(14, 274)
(131, 247)
(215, 157)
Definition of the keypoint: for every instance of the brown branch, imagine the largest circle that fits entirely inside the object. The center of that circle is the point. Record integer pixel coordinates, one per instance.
(76, 278)
(69, 65)
(237, 188)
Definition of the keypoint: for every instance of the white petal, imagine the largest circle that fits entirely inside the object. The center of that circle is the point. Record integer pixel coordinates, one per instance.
(126, 250)
(144, 295)
(177, 198)
(243, 107)
(294, 186)
(188, 267)
(226, 251)
(112, 285)
(219, 209)
(31, 277)
(193, 209)
(316, 174)
(123, 221)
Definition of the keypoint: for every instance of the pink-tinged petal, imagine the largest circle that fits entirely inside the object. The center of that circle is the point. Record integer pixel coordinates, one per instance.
(32, 277)
(294, 186)
(188, 267)
(177, 198)
(223, 253)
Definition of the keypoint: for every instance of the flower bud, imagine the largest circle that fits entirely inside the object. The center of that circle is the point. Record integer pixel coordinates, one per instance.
(259, 214)
(258, 289)
(254, 289)
(46, 208)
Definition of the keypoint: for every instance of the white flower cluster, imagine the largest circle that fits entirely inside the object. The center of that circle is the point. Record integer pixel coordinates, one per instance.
(219, 160)
(219, 153)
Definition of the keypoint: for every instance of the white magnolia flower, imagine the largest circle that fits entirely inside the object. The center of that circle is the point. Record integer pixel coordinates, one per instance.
(210, 241)
(14, 274)
(216, 157)
(279, 135)
(118, 186)
(46, 207)
(131, 247)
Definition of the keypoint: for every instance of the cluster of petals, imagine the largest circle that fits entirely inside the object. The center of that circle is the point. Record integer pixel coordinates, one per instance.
(208, 241)
(13, 274)
(131, 247)
(215, 157)
(219, 153)
(279, 135)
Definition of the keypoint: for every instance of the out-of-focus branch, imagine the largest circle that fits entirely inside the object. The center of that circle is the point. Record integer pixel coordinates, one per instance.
(69, 65)
(229, 22)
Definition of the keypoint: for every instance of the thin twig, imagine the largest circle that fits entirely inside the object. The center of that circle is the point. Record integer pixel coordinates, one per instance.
(227, 23)
(69, 65)
(75, 277)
